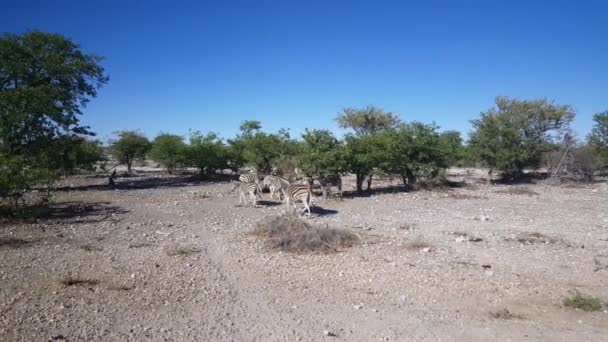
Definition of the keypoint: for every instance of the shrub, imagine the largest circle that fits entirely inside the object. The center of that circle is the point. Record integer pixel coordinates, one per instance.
(289, 233)
(129, 146)
(169, 150)
(583, 302)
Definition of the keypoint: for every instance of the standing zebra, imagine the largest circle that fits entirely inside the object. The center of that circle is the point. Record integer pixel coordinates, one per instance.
(299, 193)
(245, 189)
(277, 185)
(251, 178)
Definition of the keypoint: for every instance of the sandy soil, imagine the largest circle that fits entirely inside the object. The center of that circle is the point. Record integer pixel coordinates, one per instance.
(170, 259)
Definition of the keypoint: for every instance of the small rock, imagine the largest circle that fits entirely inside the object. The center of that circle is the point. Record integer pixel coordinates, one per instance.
(426, 249)
(328, 333)
(358, 307)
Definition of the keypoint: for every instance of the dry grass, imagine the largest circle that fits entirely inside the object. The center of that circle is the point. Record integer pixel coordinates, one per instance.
(74, 281)
(289, 233)
(87, 247)
(182, 250)
(518, 191)
(141, 245)
(583, 302)
(14, 242)
(417, 244)
(534, 238)
(121, 287)
(463, 196)
(505, 314)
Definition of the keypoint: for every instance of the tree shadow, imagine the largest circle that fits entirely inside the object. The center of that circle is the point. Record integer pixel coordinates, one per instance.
(64, 212)
(12, 242)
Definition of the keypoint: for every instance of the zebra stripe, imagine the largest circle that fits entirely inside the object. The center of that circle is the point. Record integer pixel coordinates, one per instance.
(250, 189)
(249, 178)
(277, 185)
(299, 193)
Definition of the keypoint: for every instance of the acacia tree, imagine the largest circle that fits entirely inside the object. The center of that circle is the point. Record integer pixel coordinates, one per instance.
(207, 152)
(45, 82)
(258, 149)
(513, 135)
(598, 138)
(169, 150)
(361, 153)
(321, 157)
(129, 146)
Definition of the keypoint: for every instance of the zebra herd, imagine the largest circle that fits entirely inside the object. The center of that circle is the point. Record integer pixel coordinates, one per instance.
(252, 185)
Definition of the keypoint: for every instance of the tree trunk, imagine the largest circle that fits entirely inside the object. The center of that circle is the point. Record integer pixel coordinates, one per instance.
(129, 162)
(369, 182)
(404, 179)
(360, 179)
(411, 178)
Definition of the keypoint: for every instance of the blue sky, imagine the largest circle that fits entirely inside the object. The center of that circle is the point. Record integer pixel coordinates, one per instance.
(208, 65)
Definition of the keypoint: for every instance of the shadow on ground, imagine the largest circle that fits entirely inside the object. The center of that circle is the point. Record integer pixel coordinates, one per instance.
(64, 212)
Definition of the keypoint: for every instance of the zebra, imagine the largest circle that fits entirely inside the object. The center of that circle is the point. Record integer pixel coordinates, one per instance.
(247, 188)
(299, 193)
(251, 178)
(277, 185)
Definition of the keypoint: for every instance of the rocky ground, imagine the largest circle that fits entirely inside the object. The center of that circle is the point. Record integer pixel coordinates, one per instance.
(171, 259)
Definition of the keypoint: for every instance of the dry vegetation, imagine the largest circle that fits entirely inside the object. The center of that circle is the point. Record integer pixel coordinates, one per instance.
(87, 247)
(518, 191)
(583, 302)
(289, 233)
(417, 243)
(535, 238)
(71, 280)
(179, 250)
(505, 314)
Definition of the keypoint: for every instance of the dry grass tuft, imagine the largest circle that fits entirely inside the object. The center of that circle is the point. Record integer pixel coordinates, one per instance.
(14, 242)
(74, 281)
(583, 302)
(518, 191)
(535, 238)
(141, 244)
(505, 314)
(289, 233)
(121, 287)
(417, 244)
(463, 196)
(87, 247)
(182, 250)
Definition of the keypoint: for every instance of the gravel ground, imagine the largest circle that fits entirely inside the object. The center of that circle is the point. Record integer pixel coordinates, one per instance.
(170, 259)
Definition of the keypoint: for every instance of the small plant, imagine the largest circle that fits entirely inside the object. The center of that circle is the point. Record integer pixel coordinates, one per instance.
(504, 314)
(583, 302)
(535, 238)
(182, 250)
(140, 245)
(73, 281)
(121, 287)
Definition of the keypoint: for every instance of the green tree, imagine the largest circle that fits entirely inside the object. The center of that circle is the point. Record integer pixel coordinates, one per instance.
(413, 150)
(368, 120)
(258, 149)
(207, 152)
(321, 156)
(72, 153)
(129, 146)
(598, 138)
(45, 82)
(169, 150)
(362, 154)
(515, 134)
(454, 147)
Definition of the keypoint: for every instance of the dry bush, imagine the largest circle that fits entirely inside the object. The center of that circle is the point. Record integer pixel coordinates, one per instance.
(182, 250)
(417, 244)
(504, 314)
(518, 191)
(73, 281)
(87, 247)
(121, 287)
(583, 302)
(289, 233)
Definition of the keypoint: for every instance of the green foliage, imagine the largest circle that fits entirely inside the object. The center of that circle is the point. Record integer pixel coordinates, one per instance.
(130, 146)
(583, 302)
(71, 153)
(322, 155)
(169, 150)
(368, 120)
(454, 148)
(413, 151)
(260, 150)
(207, 152)
(362, 154)
(514, 135)
(598, 138)
(45, 81)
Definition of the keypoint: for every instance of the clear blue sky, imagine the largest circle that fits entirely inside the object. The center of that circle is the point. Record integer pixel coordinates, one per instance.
(208, 65)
